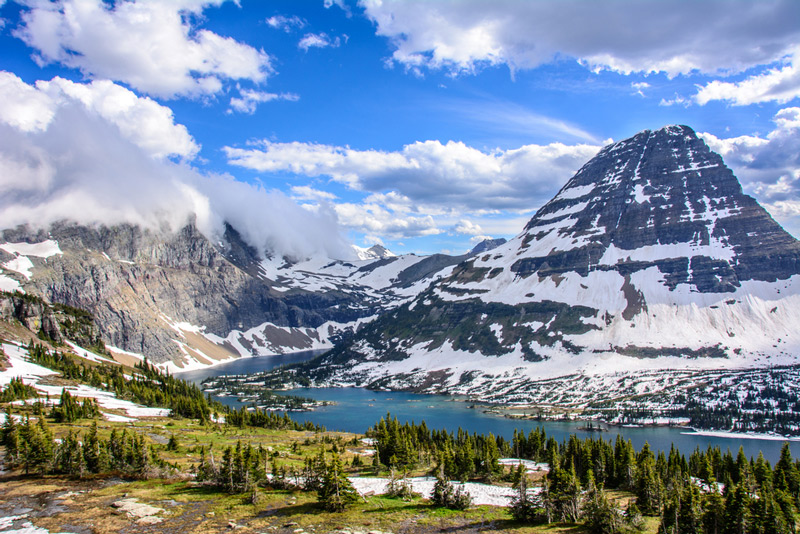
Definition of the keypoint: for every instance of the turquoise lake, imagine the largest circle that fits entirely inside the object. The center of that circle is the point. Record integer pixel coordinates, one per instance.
(356, 409)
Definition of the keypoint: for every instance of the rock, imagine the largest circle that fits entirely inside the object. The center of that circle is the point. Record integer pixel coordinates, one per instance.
(135, 509)
(130, 278)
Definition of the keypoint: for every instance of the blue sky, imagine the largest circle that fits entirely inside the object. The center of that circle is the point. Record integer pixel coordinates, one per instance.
(425, 126)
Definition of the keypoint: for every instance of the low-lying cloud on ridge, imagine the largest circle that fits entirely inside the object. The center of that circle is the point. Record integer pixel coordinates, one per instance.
(71, 153)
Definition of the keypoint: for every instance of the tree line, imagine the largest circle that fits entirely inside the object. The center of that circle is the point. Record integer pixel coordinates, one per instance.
(710, 492)
(32, 447)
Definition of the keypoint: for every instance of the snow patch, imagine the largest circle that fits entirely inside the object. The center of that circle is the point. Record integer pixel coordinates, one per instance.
(44, 250)
(9, 285)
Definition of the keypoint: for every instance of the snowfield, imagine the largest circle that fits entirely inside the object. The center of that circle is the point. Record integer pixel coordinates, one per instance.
(32, 374)
(482, 494)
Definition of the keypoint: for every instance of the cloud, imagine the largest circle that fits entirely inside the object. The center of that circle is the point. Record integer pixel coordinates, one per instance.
(509, 117)
(674, 37)
(151, 126)
(250, 99)
(449, 176)
(150, 45)
(467, 227)
(374, 219)
(768, 166)
(304, 192)
(338, 3)
(317, 40)
(23, 106)
(78, 164)
(287, 24)
(677, 101)
(776, 85)
(639, 88)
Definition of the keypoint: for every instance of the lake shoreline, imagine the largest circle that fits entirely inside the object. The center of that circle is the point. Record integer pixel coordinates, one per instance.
(357, 408)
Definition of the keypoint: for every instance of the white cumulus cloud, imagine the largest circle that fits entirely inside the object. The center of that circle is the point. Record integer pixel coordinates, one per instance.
(446, 176)
(768, 166)
(148, 124)
(468, 227)
(318, 40)
(250, 99)
(780, 84)
(287, 24)
(674, 36)
(149, 44)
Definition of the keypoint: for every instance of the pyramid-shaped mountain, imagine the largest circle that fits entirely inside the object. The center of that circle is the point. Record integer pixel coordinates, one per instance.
(660, 199)
(650, 257)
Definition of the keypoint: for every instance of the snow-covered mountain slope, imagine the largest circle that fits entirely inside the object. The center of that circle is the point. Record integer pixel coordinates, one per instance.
(650, 257)
(375, 252)
(177, 297)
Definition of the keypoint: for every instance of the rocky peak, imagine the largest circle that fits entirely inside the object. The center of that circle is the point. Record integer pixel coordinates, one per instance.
(661, 198)
(375, 252)
(486, 245)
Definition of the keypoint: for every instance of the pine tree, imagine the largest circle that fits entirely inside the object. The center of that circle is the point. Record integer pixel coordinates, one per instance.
(336, 491)
(91, 450)
(649, 489)
(525, 507)
(690, 512)
(69, 456)
(737, 510)
(563, 494)
(11, 438)
(713, 513)
(601, 516)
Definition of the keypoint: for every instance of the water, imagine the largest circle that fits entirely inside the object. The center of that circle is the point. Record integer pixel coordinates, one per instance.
(356, 409)
(244, 366)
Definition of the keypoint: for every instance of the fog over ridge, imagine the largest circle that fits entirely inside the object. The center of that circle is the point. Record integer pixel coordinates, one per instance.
(67, 158)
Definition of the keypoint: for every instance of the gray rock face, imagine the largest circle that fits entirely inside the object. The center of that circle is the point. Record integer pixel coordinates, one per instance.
(134, 281)
(658, 189)
(34, 315)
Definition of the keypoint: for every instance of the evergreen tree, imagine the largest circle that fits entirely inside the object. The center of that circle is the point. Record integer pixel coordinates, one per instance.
(446, 495)
(563, 494)
(69, 456)
(11, 438)
(336, 491)
(524, 506)
(649, 489)
(737, 510)
(713, 513)
(601, 516)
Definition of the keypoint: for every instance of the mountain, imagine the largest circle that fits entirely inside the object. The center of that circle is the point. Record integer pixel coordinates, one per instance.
(651, 257)
(486, 245)
(185, 301)
(375, 252)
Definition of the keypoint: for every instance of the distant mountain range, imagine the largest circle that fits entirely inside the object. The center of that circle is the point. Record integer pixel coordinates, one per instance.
(184, 301)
